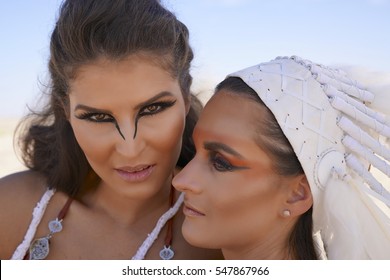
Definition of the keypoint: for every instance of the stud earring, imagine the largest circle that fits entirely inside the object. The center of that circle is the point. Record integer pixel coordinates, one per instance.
(286, 213)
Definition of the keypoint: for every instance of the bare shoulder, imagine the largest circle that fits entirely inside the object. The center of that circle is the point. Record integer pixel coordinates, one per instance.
(22, 187)
(19, 193)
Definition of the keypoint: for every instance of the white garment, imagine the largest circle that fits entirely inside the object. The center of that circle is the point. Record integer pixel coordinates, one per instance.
(40, 208)
(37, 215)
(334, 126)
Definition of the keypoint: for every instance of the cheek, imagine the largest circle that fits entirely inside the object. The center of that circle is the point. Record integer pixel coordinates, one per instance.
(93, 139)
(166, 134)
(244, 196)
(245, 204)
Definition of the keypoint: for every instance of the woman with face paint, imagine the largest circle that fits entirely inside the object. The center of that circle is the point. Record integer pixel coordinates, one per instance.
(103, 152)
(281, 166)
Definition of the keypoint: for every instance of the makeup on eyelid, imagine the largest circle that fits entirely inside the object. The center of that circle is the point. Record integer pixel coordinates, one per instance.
(111, 103)
(91, 112)
(225, 163)
(230, 178)
(90, 115)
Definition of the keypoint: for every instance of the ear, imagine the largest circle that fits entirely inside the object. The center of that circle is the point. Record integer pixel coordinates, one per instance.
(299, 198)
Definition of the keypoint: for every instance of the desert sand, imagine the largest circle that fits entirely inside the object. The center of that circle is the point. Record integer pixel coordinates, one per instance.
(9, 162)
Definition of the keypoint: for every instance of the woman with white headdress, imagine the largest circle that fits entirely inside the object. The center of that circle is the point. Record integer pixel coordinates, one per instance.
(282, 169)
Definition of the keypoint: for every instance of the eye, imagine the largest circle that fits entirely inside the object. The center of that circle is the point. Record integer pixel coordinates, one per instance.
(220, 163)
(96, 117)
(152, 109)
(155, 108)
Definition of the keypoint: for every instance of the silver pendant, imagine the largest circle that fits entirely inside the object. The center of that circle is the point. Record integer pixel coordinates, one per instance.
(55, 226)
(39, 249)
(166, 253)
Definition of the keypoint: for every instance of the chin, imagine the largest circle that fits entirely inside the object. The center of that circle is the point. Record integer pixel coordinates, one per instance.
(198, 238)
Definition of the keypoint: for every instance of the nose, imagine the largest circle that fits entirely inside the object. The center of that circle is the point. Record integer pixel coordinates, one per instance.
(188, 179)
(126, 144)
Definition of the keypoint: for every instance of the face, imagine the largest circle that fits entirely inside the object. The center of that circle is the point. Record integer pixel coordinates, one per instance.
(232, 196)
(128, 118)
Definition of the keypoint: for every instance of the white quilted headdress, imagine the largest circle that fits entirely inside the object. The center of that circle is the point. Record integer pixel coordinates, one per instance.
(337, 134)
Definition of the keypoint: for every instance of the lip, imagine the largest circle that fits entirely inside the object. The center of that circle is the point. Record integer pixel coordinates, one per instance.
(137, 173)
(191, 211)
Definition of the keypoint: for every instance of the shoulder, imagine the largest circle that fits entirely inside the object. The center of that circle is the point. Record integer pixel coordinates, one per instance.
(25, 186)
(19, 194)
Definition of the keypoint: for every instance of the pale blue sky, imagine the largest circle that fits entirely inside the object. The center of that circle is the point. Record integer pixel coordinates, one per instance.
(226, 35)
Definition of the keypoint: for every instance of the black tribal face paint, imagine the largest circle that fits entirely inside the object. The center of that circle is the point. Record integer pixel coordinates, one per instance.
(136, 126)
(119, 130)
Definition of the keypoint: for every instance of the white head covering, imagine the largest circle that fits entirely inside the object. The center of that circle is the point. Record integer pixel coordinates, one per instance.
(334, 128)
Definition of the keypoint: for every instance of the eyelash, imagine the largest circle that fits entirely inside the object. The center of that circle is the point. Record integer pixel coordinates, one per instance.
(163, 105)
(91, 116)
(219, 163)
(98, 117)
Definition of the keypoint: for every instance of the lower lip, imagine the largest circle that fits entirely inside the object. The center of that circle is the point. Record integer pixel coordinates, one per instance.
(138, 176)
(191, 213)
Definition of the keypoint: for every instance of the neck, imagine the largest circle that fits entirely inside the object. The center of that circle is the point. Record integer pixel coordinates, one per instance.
(129, 210)
(273, 246)
(268, 252)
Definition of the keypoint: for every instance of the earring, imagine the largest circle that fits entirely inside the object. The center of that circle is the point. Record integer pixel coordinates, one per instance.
(286, 213)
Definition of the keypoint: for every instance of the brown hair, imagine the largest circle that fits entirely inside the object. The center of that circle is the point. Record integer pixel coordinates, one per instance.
(274, 142)
(85, 31)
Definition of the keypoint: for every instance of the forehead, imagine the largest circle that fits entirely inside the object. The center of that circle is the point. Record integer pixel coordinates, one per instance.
(230, 115)
(160, 60)
(132, 79)
(127, 66)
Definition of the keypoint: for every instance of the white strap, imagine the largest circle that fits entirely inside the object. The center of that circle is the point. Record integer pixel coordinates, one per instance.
(37, 215)
(144, 248)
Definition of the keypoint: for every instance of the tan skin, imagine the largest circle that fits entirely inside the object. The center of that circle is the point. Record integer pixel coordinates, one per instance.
(112, 220)
(234, 200)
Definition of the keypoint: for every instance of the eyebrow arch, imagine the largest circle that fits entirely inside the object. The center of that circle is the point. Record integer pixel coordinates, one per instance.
(154, 98)
(216, 146)
(88, 108)
(147, 102)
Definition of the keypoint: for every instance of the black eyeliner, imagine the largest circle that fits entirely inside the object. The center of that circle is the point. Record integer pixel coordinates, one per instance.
(216, 159)
(84, 115)
(119, 130)
(136, 125)
(163, 104)
(87, 116)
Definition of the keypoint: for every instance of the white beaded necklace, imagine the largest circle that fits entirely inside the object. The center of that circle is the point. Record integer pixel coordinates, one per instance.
(166, 253)
(39, 248)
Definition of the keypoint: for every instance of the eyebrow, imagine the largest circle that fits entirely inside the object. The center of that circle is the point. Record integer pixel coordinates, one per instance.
(154, 98)
(217, 146)
(147, 102)
(88, 108)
